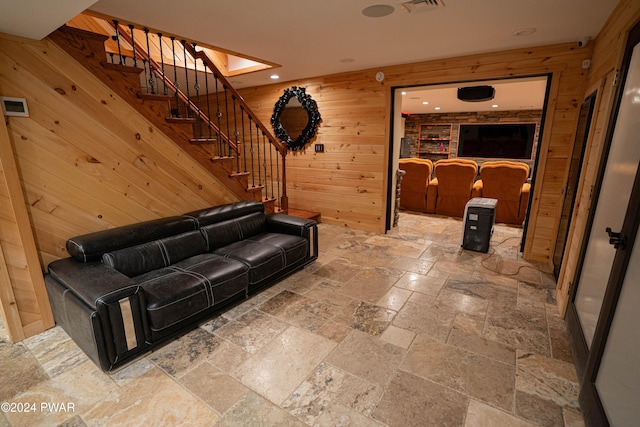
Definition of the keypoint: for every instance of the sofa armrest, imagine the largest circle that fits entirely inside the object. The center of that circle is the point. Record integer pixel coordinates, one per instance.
(92, 281)
(432, 195)
(107, 299)
(476, 191)
(524, 201)
(287, 224)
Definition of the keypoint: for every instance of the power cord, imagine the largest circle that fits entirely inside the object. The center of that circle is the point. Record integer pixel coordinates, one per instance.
(493, 251)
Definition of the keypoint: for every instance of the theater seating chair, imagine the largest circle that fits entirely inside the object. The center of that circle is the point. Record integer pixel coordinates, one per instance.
(413, 188)
(451, 189)
(505, 181)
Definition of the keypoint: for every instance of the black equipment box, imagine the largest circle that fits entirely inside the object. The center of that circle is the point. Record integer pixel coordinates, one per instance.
(479, 217)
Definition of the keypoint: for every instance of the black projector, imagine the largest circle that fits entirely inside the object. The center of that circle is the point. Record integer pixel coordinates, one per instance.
(476, 93)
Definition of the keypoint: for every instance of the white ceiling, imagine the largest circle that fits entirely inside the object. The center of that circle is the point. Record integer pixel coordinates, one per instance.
(314, 38)
(512, 94)
(36, 19)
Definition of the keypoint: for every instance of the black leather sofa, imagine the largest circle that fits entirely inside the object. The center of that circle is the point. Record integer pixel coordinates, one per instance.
(126, 290)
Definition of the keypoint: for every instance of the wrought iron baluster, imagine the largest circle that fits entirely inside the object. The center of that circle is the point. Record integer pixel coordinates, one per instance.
(236, 133)
(150, 81)
(219, 116)
(187, 105)
(244, 152)
(258, 143)
(117, 39)
(206, 88)
(278, 176)
(271, 164)
(164, 82)
(226, 110)
(197, 88)
(253, 175)
(133, 44)
(175, 76)
(111, 55)
(264, 164)
(144, 67)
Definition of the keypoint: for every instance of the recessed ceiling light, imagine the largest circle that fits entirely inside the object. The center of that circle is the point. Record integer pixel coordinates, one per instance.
(425, 102)
(274, 76)
(403, 93)
(437, 108)
(494, 106)
(377, 11)
(524, 31)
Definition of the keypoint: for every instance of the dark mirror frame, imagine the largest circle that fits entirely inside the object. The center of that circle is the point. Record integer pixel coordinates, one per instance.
(310, 107)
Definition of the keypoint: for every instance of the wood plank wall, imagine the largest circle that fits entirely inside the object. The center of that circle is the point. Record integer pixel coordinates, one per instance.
(87, 160)
(347, 183)
(607, 57)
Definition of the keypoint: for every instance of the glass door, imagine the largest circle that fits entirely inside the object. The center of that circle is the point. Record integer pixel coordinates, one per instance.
(613, 199)
(618, 377)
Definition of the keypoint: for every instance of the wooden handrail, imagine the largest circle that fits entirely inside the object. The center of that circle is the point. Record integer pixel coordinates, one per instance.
(282, 149)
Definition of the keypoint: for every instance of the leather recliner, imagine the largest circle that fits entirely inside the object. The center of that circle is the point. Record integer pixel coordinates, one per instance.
(451, 189)
(505, 181)
(413, 188)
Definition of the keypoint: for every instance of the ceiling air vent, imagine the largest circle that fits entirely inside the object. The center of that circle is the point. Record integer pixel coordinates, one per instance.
(421, 5)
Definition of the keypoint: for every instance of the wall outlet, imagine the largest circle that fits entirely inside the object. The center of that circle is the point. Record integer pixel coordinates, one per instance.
(319, 148)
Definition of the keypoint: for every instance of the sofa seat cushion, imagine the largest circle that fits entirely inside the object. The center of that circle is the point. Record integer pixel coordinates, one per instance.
(189, 287)
(294, 248)
(263, 260)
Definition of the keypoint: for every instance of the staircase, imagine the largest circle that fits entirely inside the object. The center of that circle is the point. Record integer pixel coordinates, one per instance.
(215, 127)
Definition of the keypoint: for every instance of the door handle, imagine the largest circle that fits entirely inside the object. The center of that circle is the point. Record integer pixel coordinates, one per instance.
(618, 240)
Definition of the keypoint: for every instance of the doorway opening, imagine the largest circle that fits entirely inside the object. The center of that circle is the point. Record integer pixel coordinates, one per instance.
(431, 123)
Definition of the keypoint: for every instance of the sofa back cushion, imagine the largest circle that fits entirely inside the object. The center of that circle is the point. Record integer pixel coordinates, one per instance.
(227, 232)
(140, 259)
(222, 213)
(90, 247)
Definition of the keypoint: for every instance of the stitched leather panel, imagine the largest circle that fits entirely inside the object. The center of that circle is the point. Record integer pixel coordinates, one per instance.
(220, 234)
(175, 296)
(160, 253)
(227, 276)
(227, 232)
(294, 247)
(263, 260)
(90, 247)
(225, 212)
(175, 293)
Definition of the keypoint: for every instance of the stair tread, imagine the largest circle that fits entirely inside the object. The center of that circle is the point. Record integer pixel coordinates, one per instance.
(180, 120)
(154, 96)
(203, 140)
(255, 187)
(239, 173)
(221, 158)
(122, 68)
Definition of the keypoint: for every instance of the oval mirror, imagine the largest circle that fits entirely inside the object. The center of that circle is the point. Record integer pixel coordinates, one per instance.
(295, 118)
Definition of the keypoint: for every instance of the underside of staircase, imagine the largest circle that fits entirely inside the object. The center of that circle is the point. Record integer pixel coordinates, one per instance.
(89, 50)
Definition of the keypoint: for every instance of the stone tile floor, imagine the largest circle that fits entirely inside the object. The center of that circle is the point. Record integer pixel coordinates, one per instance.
(399, 329)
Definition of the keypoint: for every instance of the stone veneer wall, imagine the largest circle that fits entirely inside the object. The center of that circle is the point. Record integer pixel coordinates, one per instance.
(413, 122)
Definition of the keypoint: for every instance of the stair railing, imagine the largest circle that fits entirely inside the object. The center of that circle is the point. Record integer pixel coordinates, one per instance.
(231, 131)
